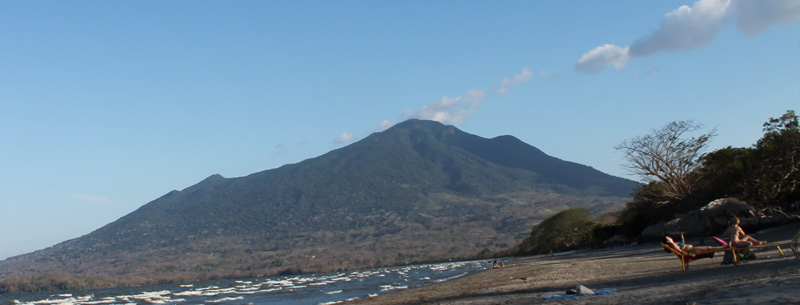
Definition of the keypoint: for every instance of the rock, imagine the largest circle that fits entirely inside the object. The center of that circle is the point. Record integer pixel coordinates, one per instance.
(655, 230)
(582, 290)
(713, 218)
(692, 223)
(725, 208)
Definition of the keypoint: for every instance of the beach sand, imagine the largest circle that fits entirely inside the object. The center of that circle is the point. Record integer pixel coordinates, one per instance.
(641, 274)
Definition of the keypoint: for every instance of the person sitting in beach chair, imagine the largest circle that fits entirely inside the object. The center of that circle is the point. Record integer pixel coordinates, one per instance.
(738, 239)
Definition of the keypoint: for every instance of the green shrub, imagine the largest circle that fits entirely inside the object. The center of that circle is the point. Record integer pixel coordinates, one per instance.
(568, 230)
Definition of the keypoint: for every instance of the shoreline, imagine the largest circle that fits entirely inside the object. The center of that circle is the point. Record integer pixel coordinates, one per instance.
(641, 274)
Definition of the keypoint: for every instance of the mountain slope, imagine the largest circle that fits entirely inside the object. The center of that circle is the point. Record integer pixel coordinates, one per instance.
(419, 191)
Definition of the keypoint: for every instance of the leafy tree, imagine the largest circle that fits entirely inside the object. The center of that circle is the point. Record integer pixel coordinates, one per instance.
(777, 178)
(567, 230)
(723, 173)
(668, 156)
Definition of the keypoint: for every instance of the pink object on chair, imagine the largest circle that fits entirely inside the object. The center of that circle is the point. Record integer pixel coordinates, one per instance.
(721, 242)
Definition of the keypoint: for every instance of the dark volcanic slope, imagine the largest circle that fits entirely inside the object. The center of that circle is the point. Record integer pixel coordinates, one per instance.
(415, 192)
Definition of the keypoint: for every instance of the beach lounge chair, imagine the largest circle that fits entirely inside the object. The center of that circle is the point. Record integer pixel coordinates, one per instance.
(777, 245)
(685, 258)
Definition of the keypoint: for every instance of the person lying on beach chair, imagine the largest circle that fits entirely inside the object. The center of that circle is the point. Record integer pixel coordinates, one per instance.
(688, 253)
(687, 248)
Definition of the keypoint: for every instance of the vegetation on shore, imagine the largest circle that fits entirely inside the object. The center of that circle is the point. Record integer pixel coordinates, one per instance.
(682, 178)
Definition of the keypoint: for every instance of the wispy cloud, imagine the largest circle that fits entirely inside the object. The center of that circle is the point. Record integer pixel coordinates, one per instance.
(505, 86)
(548, 74)
(687, 28)
(755, 16)
(451, 110)
(344, 138)
(454, 110)
(603, 56)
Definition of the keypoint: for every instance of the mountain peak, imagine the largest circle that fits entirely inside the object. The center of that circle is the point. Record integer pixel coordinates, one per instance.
(403, 195)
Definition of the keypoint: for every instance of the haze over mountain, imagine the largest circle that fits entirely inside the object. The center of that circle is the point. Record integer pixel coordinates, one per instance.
(419, 191)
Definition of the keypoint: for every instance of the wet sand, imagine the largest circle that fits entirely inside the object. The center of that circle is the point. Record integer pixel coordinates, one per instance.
(641, 274)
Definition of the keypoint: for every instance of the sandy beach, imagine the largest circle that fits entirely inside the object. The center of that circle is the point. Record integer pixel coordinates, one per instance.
(641, 274)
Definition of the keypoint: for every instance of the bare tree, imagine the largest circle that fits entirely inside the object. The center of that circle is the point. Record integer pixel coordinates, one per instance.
(668, 156)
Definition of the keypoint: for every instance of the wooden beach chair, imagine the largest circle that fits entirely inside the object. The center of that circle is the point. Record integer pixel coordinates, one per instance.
(770, 245)
(686, 258)
(794, 244)
(777, 245)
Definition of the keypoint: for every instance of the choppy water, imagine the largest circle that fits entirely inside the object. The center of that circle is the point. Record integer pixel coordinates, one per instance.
(328, 288)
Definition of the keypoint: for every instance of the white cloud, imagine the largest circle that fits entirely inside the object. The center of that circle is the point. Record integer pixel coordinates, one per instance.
(385, 125)
(685, 28)
(505, 86)
(601, 57)
(451, 111)
(755, 16)
(344, 138)
(454, 110)
(688, 28)
(525, 75)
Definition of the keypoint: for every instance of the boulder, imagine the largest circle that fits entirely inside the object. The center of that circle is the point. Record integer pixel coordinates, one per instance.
(713, 218)
(656, 230)
(725, 208)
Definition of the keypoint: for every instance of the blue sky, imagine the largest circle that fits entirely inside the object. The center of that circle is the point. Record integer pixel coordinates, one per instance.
(107, 105)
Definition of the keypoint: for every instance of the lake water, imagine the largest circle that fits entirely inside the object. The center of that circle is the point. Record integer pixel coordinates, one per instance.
(326, 288)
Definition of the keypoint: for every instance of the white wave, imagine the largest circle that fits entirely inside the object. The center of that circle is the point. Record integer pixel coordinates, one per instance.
(333, 292)
(393, 288)
(68, 301)
(450, 278)
(106, 300)
(225, 299)
(270, 290)
(209, 288)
